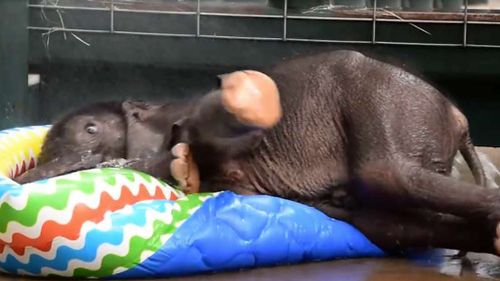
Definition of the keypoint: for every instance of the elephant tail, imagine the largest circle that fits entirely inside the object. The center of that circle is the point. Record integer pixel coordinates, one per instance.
(469, 153)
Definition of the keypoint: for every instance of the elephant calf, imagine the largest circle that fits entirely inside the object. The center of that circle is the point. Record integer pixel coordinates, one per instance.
(359, 139)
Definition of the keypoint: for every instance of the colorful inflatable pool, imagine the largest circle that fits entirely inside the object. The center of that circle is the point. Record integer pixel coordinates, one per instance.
(119, 223)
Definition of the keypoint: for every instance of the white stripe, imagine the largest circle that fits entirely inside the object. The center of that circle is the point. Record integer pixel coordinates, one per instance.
(63, 216)
(122, 249)
(79, 243)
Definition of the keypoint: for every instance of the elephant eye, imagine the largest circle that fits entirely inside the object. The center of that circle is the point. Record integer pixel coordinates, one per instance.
(91, 128)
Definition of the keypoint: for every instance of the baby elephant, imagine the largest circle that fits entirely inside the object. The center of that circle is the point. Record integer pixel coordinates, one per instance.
(361, 140)
(80, 140)
(95, 135)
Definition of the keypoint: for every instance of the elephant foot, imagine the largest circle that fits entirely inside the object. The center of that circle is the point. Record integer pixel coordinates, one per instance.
(252, 97)
(184, 169)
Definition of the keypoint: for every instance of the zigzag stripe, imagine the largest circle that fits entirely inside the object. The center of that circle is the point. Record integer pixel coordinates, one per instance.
(19, 142)
(67, 222)
(92, 200)
(51, 229)
(52, 186)
(10, 188)
(112, 263)
(58, 242)
(103, 226)
(36, 197)
(119, 248)
(28, 162)
(47, 187)
(112, 231)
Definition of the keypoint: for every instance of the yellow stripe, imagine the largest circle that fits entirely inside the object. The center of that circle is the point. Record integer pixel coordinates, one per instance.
(19, 146)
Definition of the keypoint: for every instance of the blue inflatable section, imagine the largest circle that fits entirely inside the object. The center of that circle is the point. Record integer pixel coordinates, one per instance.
(231, 231)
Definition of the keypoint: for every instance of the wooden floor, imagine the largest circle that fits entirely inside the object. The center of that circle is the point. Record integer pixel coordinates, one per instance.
(356, 270)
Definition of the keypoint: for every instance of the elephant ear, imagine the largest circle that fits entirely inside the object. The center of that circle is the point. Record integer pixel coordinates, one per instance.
(143, 139)
(139, 110)
(252, 97)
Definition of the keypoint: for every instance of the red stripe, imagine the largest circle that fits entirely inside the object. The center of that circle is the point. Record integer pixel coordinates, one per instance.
(81, 214)
(32, 163)
(23, 167)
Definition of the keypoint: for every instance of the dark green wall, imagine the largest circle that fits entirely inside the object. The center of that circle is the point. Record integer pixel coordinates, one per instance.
(120, 66)
(190, 53)
(69, 85)
(14, 109)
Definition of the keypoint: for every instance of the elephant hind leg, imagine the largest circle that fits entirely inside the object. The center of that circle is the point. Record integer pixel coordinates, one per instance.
(396, 231)
(406, 186)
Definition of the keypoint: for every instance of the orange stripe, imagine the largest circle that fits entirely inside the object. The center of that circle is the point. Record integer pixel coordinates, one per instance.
(81, 214)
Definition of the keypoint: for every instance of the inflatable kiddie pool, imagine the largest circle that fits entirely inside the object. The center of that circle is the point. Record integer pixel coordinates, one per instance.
(119, 223)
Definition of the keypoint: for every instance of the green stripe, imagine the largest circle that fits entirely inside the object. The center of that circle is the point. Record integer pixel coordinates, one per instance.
(138, 245)
(64, 188)
(58, 200)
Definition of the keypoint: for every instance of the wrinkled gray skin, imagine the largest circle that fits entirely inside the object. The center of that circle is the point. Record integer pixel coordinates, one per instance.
(96, 134)
(361, 140)
(80, 140)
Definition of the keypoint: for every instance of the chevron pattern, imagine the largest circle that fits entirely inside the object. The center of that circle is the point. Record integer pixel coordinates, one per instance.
(92, 223)
(19, 148)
